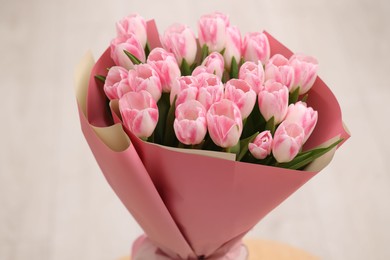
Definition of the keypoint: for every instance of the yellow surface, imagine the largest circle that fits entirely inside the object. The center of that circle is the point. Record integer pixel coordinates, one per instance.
(270, 250)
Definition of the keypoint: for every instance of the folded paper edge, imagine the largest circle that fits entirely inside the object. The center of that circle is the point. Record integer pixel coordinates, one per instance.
(113, 136)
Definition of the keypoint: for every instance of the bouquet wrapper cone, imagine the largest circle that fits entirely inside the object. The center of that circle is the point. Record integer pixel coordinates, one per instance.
(191, 205)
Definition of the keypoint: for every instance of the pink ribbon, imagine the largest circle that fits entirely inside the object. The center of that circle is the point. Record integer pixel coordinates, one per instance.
(144, 249)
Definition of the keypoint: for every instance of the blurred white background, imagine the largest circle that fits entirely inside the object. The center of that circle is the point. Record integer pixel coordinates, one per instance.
(55, 202)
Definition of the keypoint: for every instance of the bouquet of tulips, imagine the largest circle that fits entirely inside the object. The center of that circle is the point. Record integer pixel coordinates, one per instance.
(201, 137)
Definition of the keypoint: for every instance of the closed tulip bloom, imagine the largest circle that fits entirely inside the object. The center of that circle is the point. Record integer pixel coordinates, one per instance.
(253, 73)
(133, 24)
(190, 122)
(304, 116)
(261, 147)
(166, 66)
(199, 70)
(214, 64)
(129, 43)
(305, 72)
(116, 79)
(273, 101)
(279, 70)
(212, 31)
(288, 141)
(180, 40)
(185, 88)
(139, 113)
(239, 91)
(232, 46)
(224, 123)
(210, 89)
(144, 77)
(256, 47)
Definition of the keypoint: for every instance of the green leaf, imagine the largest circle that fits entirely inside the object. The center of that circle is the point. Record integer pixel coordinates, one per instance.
(193, 66)
(254, 123)
(147, 50)
(244, 146)
(185, 68)
(234, 69)
(234, 149)
(223, 51)
(169, 135)
(100, 78)
(133, 59)
(163, 107)
(293, 97)
(270, 125)
(304, 158)
(205, 52)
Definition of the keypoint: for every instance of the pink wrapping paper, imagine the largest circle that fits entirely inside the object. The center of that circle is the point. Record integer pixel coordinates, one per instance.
(191, 205)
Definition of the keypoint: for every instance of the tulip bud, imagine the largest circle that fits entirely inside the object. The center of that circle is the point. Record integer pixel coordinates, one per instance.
(184, 89)
(256, 47)
(166, 66)
(133, 24)
(261, 147)
(116, 79)
(129, 43)
(305, 72)
(212, 31)
(233, 46)
(214, 64)
(288, 140)
(302, 115)
(279, 70)
(224, 123)
(139, 113)
(144, 77)
(239, 91)
(190, 122)
(180, 40)
(199, 70)
(253, 73)
(210, 89)
(273, 101)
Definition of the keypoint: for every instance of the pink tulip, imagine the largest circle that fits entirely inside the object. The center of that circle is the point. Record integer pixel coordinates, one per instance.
(256, 47)
(199, 70)
(180, 40)
(288, 140)
(116, 79)
(133, 24)
(139, 113)
(305, 68)
(143, 77)
(185, 88)
(210, 90)
(261, 147)
(253, 73)
(302, 115)
(166, 66)
(129, 43)
(279, 70)
(232, 46)
(214, 64)
(273, 101)
(239, 91)
(212, 31)
(224, 123)
(190, 122)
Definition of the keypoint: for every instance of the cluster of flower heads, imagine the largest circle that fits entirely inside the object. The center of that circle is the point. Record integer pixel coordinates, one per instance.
(215, 89)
